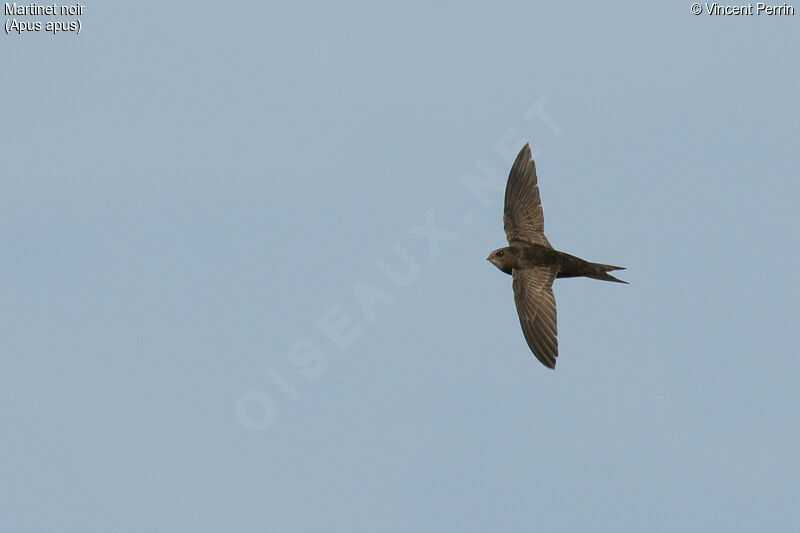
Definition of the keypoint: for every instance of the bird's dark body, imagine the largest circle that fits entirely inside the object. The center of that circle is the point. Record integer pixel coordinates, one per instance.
(523, 255)
(528, 255)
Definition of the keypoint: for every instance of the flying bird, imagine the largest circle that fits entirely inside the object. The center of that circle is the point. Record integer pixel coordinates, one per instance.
(533, 263)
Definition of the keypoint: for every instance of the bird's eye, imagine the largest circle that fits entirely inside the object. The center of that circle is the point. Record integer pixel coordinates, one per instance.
(499, 254)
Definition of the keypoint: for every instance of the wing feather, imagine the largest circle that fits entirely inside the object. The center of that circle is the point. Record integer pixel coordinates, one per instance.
(536, 307)
(523, 218)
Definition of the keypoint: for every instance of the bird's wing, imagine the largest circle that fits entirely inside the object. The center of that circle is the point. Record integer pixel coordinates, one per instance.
(523, 218)
(536, 307)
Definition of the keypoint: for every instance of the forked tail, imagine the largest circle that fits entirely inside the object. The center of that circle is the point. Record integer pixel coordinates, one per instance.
(601, 272)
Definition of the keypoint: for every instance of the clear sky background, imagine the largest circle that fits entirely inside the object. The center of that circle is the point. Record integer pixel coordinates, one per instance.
(189, 188)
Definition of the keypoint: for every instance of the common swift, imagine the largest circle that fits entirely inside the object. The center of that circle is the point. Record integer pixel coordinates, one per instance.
(533, 263)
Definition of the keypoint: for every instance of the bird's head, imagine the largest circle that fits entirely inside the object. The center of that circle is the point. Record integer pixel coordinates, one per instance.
(502, 258)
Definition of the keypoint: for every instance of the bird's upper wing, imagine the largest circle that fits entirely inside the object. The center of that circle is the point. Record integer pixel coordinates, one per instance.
(523, 218)
(536, 307)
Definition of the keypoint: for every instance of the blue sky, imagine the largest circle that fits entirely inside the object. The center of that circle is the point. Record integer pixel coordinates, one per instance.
(221, 309)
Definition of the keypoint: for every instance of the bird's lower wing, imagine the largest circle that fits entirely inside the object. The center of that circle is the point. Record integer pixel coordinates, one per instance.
(536, 307)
